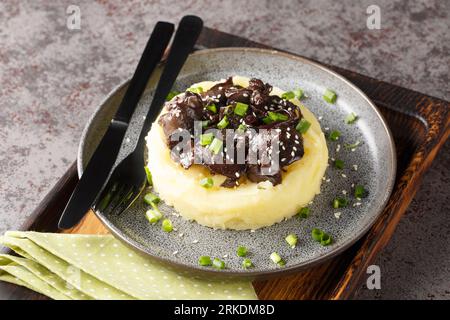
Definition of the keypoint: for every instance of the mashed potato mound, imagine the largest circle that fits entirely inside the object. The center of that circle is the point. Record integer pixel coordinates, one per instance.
(251, 205)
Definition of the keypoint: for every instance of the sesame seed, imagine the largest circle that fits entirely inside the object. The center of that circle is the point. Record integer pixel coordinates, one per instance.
(337, 215)
(344, 192)
(343, 176)
(237, 174)
(355, 167)
(175, 252)
(195, 241)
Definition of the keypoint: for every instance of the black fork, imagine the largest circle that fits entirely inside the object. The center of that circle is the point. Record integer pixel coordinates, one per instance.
(128, 179)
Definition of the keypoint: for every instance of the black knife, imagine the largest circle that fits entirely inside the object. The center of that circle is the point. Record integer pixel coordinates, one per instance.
(104, 157)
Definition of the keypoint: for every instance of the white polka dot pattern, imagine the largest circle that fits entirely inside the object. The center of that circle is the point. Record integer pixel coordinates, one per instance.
(64, 266)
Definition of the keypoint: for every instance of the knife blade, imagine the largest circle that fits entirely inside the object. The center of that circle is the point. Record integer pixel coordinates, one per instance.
(104, 157)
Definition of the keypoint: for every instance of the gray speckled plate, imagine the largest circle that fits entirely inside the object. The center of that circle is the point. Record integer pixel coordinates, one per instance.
(374, 158)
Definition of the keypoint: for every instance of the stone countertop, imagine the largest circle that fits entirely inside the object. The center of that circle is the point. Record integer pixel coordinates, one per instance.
(52, 78)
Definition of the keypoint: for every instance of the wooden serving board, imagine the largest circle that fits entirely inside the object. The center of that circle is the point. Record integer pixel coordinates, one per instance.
(420, 126)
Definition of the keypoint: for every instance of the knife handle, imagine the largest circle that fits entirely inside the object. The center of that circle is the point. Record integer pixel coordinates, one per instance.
(185, 37)
(154, 49)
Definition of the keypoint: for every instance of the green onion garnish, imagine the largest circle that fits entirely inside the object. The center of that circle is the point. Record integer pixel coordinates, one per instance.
(205, 123)
(195, 89)
(275, 257)
(326, 239)
(334, 135)
(216, 146)
(298, 93)
(276, 116)
(149, 176)
(242, 127)
(223, 123)
(304, 212)
(171, 95)
(206, 139)
(204, 261)
(360, 192)
(351, 118)
(303, 126)
(322, 237)
(167, 225)
(316, 234)
(339, 164)
(212, 107)
(241, 251)
(291, 239)
(207, 183)
(247, 263)
(240, 109)
(153, 215)
(288, 95)
(218, 264)
(340, 203)
(150, 198)
(352, 145)
(329, 96)
(267, 120)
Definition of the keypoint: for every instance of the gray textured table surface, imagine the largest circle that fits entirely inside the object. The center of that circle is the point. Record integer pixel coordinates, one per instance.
(52, 78)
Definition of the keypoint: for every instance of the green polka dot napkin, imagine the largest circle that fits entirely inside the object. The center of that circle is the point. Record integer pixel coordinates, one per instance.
(73, 266)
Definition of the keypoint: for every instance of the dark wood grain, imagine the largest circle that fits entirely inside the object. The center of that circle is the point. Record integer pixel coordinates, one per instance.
(420, 125)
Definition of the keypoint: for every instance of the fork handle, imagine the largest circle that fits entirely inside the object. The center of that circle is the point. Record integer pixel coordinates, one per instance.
(185, 37)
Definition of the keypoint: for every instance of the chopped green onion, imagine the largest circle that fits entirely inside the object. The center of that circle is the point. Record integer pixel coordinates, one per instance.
(291, 239)
(304, 212)
(204, 261)
(218, 264)
(329, 96)
(247, 263)
(298, 93)
(326, 239)
(241, 251)
(167, 225)
(351, 118)
(276, 116)
(153, 215)
(303, 126)
(339, 164)
(267, 120)
(205, 123)
(212, 107)
(207, 183)
(322, 237)
(216, 146)
(340, 203)
(316, 234)
(360, 192)
(171, 95)
(288, 95)
(149, 175)
(242, 127)
(240, 109)
(195, 89)
(275, 257)
(352, 145)
(334, 135)
(206, 139)
(150, 198)
(223, 123)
